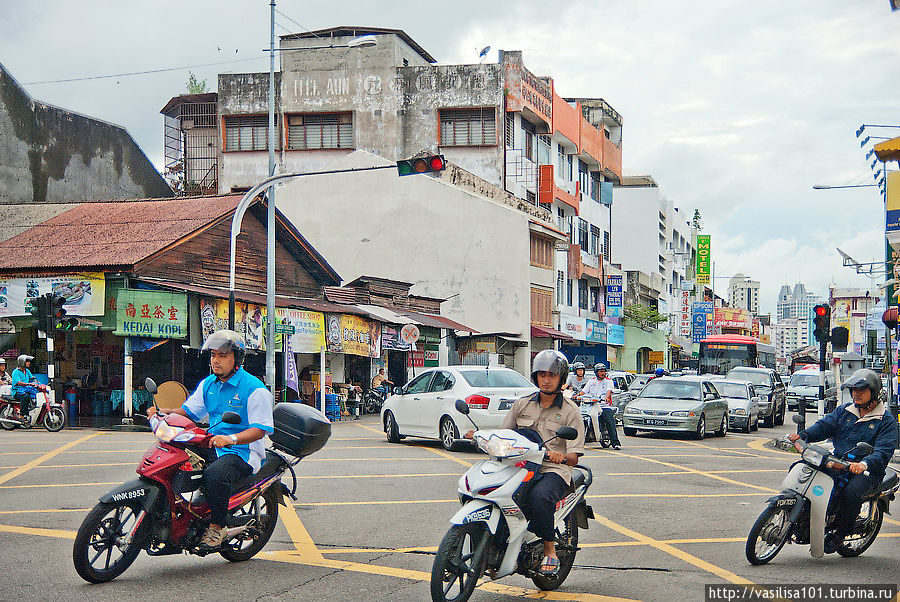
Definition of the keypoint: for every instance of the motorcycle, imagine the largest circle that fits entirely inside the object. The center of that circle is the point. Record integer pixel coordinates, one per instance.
(373, 399)
(799, 514)
(489, 535)
(52, 415)
(595, 430)
(162, 512)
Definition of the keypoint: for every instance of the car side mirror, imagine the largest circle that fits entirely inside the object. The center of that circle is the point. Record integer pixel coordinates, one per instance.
(709, 397)
(150, 386)
(231, 418)
(864, 448)
(462, 407)
(754, 399)
(566, 432)
(400, 390)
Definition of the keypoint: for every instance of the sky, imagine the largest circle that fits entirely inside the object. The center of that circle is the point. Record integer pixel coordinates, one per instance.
(736, 108)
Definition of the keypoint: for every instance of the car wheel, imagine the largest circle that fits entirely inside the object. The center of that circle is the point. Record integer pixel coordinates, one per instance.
(700, 433)
(769, 421)
(723, 430)
(747, 428)
(779, 420)
(449, 434)
(755, 423)
(391, 429)
(628, 431)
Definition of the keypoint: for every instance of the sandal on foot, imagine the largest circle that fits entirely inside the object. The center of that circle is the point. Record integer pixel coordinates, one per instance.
(549, 566)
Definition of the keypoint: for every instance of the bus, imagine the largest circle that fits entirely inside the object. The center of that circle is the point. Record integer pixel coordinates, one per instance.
(720, 353)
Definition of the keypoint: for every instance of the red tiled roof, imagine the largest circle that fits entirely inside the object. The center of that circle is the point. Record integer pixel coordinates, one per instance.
(106, 234)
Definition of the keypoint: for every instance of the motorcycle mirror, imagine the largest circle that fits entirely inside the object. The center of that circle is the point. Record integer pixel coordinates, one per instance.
(231, 418)
(150, 386)
(462, 407)
(797, 419)
(864, 448)
(567, 432)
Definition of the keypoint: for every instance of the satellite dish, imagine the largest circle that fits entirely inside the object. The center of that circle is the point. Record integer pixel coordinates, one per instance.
(484, 52)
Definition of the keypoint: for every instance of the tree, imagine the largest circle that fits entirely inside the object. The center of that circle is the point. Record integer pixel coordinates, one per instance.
(697, 221)
(195, 86)
(644, 316)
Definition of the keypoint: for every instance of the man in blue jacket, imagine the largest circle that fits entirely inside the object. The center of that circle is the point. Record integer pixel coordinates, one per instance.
(864, 420)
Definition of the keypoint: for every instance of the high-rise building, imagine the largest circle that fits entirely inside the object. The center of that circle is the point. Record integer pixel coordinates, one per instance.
(795, 304)
(744, 293)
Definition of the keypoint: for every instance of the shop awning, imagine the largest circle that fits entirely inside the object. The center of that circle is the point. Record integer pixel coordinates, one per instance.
(387, 315)
(546, 331)
(889, 150)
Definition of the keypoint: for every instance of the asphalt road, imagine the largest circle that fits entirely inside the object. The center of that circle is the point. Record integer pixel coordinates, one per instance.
(672, 515)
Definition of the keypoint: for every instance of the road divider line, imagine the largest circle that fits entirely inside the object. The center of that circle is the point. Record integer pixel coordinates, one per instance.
(89, 451)
(369, 428)
(381, 476)
(673, 495)
(653, 474)
(300, 537)
(28, 466)
(444, 454)
(374, 503)
(36, 531)
(725, 449)
(44, 511)
(58, 485)
(760, 445)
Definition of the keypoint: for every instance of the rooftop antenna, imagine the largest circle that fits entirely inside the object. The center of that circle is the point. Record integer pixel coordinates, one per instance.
(483, 54)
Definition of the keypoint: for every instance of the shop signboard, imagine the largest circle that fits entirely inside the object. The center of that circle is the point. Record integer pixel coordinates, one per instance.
(308, 335)
(614, 296)
(733, 317)
(615, 335)
(685, 314)
(354, 335)
(704, 261)
(430, 355)
(390, 339)
(705, 307)
(249, 320)
(892, 204)
(574, 326)
(84, 293)
(595, 332)
(151, 314)
(416, 358)
(698, 332)
(656, 357)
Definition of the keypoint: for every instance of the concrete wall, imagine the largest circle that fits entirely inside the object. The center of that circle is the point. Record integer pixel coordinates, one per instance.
(447, 241)
(49, 154)
(635, 218)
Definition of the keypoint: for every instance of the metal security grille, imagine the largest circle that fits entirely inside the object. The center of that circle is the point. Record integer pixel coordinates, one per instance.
(468, 127)
(333, 130)
(248, 132)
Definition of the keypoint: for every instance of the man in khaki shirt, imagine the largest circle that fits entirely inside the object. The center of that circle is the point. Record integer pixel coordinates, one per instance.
(544, 412)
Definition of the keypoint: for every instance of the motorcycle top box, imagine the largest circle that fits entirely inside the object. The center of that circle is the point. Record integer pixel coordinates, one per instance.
(300, 430)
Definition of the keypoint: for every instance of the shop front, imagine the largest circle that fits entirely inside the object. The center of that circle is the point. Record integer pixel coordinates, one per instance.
(588, 344)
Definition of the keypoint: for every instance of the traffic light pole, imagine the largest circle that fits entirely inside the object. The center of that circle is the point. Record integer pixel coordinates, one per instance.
(51, 364)
(823, 365)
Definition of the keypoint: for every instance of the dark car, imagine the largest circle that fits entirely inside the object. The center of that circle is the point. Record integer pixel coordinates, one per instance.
(804, 385)
(770, 389)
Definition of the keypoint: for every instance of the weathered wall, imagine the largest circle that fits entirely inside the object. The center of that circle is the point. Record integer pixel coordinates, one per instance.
(50, 154)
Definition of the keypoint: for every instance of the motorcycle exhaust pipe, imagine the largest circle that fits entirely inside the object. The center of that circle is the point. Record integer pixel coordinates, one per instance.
(10, 421)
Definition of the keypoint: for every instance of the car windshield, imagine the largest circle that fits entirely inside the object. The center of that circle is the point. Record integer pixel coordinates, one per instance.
(495, 378)
(671, 390)
(732, 390)
(619, 381)
(760, 379)
(804, 380)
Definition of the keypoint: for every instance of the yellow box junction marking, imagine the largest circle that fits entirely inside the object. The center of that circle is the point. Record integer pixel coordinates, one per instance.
(28, 466)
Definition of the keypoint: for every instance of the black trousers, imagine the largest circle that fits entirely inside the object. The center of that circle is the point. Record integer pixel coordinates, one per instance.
(219, 478)
(846, 502)
(609, 419)
(549, 489)
(24, 400)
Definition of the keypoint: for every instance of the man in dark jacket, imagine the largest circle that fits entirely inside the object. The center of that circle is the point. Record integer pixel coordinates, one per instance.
(864, 420)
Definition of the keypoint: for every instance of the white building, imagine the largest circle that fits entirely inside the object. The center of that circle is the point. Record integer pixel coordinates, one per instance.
(790, 334)
(744, 293)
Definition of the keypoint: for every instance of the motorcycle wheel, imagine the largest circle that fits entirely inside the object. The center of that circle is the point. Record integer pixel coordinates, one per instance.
(372, 404)
(768, 534)
(865, 533)
(456, 569)
(7, 412)
(245, 549)
(54, 420)
(567, 541)
(96, 541)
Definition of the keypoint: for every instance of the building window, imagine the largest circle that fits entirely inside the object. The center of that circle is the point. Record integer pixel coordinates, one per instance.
(541, 306)
(569, 292)
(595, 298)
(595, 186)
(320, 131)
(510, 130)
(582, 293)
(560, 285)
(248, 132)
(569, 159)
(561, 160)
(595, 240)
(606, 244)
(583, 234)
(531, 198)
(544, 150)
(572, 232)
(561, 218)
(468, 127)
(541, 252)
(584, 177)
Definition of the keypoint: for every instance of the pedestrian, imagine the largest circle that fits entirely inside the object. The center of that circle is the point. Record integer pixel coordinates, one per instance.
(5, 378)
(601, 387)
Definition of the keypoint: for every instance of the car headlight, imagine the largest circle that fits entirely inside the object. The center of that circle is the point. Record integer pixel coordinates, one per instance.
(165, 432)
(682, 413)
(812, 456)
(632, 411)
(739, 411)
(500, 447)
(763, 399)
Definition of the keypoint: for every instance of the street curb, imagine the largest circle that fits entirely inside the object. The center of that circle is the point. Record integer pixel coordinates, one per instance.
(781, 445)
(130, 428)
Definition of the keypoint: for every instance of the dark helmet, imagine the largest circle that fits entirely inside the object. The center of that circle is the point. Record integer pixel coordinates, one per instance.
(599, 366)
(864, 378)
(552, 361)
(20, 361)
(660, 372)
(225, 341)
(578, 366)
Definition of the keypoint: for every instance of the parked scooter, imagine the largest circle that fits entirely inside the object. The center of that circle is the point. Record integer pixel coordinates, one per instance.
(52, 415)
(799, 514)
(489, 534)
(373, 399)
(162, 511)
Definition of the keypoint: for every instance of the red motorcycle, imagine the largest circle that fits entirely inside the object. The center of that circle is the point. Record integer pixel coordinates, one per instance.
(52, 415)
(163, 512)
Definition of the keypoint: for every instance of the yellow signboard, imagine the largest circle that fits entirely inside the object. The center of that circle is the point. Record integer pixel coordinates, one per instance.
(656, 357)
(309, 329)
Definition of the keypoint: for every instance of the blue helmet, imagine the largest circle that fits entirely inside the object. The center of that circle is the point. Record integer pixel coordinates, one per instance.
(660, 372)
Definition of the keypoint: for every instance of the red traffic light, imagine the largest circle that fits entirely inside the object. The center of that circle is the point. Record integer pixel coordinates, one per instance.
(437, 163)
(434, 163)
(820, 310)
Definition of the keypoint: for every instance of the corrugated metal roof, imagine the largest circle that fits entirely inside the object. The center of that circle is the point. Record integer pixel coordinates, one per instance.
(105, 234)
(16, 218)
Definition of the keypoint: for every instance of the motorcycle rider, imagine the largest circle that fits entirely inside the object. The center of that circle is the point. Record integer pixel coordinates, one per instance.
(601, 387)
(237, 450)
(864, 419)
(5, 378)
(544, 412)
(380, 383)
(24, 385)
(577, 380)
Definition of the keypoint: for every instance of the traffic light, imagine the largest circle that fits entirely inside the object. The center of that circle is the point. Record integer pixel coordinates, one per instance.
(57, 311)
(840, 338)
(822, 322)
(40, 310)
(432, 164)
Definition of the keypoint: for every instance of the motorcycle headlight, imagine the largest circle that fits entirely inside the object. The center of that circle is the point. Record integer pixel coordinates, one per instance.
(812, 456)
(500, 447)
(165, 432)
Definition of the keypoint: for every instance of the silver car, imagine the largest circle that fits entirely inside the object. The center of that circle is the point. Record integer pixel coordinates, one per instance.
(687, 404)
(743, 404)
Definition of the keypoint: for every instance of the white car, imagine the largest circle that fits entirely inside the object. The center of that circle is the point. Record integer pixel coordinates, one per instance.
(424, 407)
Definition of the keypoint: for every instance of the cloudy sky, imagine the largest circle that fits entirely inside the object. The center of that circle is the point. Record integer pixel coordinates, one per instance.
(736, 108)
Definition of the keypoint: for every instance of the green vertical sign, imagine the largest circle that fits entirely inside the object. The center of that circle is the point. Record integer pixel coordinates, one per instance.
(151, 314)
(704, 262)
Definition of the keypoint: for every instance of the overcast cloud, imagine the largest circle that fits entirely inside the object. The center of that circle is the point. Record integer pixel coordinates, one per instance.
(735, 108)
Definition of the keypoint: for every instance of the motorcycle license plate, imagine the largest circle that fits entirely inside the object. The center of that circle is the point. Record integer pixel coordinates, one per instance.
(654, 422)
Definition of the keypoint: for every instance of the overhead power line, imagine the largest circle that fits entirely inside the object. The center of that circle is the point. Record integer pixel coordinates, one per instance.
(149, 71)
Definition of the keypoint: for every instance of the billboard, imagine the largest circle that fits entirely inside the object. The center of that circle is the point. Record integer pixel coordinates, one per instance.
(704, 262)
(614, 296)
(702, 326)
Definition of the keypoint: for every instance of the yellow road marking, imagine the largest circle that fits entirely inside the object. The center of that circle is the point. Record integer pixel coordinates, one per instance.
(890, 520)
(300, 537)
(672, 495)
(58, 485)
(82, 451)
(25, 468)
(759, 445)
(677, 553)
(369, 428)
(383, 476)
(35, 531)
(386, 502)
(647, 474)
(44, 511)
(609, 453)
(729, 450)
(444, 454)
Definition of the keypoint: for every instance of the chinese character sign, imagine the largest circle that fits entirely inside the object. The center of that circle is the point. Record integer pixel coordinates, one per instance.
(614, 296)
(703, 259)
(309, 329)
(685, 313)
(151, 314)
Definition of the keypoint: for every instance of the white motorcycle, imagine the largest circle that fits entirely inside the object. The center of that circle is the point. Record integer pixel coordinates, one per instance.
(799, 514)
(595, 430)
(489, 534)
